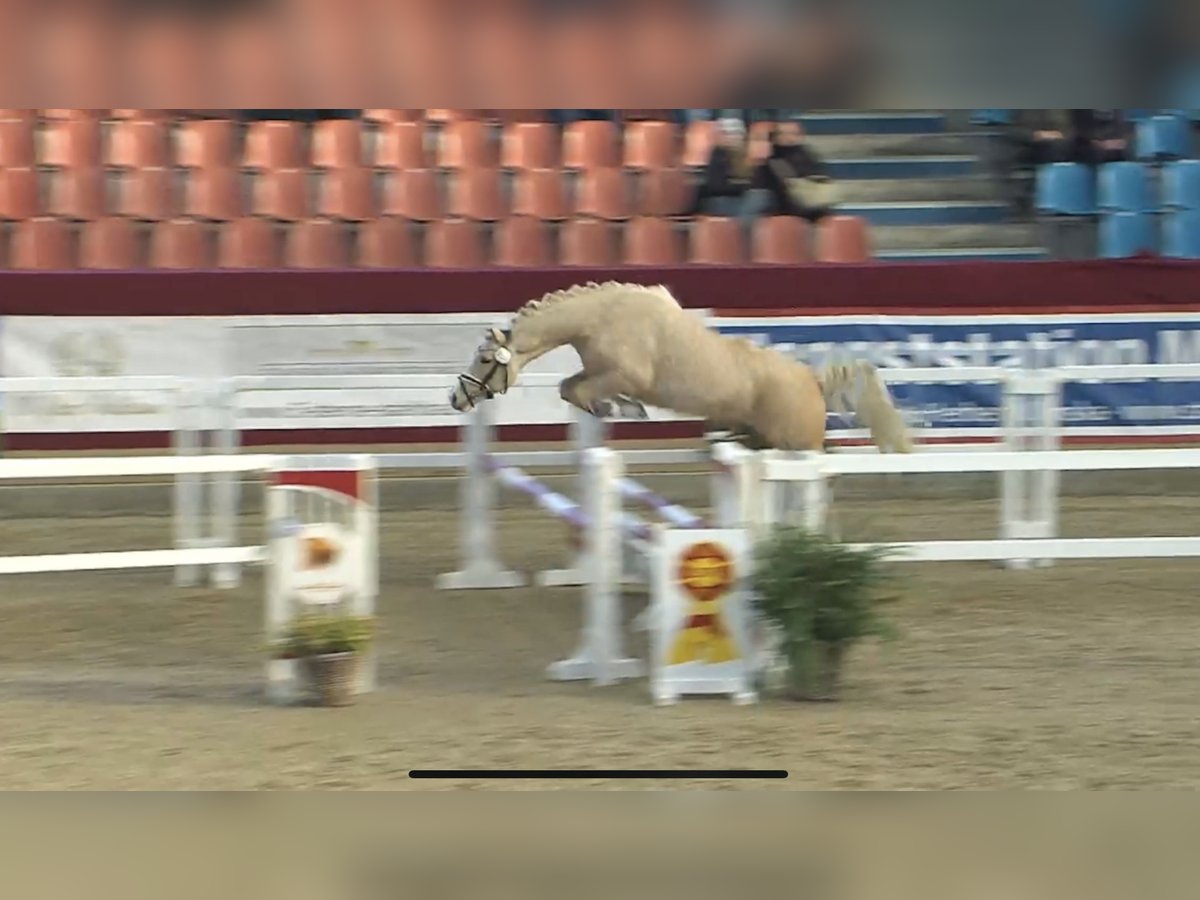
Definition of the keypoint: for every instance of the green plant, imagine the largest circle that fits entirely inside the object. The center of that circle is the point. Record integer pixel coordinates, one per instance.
(323, 633)
(821, 597)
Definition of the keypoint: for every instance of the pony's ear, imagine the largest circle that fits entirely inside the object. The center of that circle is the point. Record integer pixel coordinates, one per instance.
(501, 336)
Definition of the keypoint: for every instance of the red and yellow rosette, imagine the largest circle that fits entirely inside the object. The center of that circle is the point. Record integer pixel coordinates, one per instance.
(706, 575)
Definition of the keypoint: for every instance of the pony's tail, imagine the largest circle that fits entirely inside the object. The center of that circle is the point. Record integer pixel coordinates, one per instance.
(857, 388)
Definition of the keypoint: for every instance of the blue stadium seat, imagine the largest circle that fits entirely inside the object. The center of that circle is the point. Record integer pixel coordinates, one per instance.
(1181, 184)
(1124, 187)
(992, 116)
(1181, 234)
(1126, 234)
(1164, 137)
(1066, 189)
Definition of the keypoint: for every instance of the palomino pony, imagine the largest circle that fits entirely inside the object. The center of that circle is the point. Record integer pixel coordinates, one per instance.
(640, 347)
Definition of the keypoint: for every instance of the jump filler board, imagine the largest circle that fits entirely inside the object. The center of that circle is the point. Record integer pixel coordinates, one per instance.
(703, 637)
(323, 520)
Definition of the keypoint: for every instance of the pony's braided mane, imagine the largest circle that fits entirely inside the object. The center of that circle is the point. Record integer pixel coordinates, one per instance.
(580, 290)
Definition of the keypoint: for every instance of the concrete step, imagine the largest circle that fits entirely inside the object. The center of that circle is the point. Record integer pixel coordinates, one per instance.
(954, 237)
(873, 122)
(895, 167)
(929, 213)
(917, 190)
(968, 254)
(871, 146)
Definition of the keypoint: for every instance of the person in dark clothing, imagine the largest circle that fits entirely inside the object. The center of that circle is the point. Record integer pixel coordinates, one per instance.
(1038, 137)
(726, 176)
(796, 179)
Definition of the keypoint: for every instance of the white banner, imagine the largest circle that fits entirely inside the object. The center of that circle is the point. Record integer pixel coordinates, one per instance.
(299, 346)
(264, 346)
(91, 347)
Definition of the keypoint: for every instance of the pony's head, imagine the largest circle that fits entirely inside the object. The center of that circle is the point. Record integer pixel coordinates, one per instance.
(491, 372)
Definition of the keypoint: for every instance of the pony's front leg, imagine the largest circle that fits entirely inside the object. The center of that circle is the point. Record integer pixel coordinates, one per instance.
(601, 396)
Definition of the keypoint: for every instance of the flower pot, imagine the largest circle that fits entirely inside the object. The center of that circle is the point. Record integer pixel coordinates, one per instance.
(332, 677)
(819, 680)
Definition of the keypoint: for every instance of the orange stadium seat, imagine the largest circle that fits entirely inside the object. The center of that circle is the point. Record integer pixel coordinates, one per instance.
(80, 193)
(603, 193)
(454, 244)
(71, 143)
(651, 145)
(664, 192)
(20, 193)
(717, 240)
(530, 145)
(467, 145)
(651, 241)
(248, 243)
(206, 143)
(214, 193)
(523, 241)
(401, 145)
(273, 145)
(24, 115)
(698, 142)
(137, 143)
(316, 244)
(109, 243)
(386, 243)
(541, 193)
(148, 193)
(281, 194)
(591, 145)
(337, 143)
(16, 143)
(348, 193)
(42, 243)
(62, 114)
(588, 242)
(180, 244)
(843, 239)
(781, 240)
(478, 194)
(413, 194)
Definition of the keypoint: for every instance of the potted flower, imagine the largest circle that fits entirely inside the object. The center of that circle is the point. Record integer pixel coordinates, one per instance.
(328, 648)
(819, 597)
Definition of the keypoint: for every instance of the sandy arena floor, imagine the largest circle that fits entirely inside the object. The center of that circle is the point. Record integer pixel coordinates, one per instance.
(1078, 676)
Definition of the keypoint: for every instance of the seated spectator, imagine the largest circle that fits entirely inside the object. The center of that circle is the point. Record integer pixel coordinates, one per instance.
(795, 178)
(1038, 137)
(726, 178)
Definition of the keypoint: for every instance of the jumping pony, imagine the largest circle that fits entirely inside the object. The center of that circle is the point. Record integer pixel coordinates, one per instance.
(639, 347)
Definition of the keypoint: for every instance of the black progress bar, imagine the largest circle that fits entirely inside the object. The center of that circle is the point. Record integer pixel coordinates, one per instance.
(633, 774)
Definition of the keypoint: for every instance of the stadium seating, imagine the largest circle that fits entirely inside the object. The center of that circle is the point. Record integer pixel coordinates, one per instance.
(1164, 137)
(1125, 187)
(1181, 234)
(1181, 184)
(106, 189)
(1126, 234)
(1066, 189)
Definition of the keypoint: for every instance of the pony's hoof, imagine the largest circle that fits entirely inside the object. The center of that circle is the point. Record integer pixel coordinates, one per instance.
(602, 409)
(631, 409)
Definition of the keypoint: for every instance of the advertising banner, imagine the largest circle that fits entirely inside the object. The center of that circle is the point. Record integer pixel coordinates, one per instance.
(86, 347)
(1018, 341)
(440, 346)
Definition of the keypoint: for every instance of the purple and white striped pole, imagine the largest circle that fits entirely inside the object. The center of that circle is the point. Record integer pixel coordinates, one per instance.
(558, 505)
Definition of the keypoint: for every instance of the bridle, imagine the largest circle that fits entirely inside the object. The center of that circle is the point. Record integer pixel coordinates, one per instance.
(500, 360)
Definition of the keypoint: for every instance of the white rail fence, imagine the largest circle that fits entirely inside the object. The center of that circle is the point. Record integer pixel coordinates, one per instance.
(207, 428)
(765, 499)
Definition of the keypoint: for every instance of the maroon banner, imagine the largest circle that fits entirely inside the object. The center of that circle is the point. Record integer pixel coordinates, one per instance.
(884, 287)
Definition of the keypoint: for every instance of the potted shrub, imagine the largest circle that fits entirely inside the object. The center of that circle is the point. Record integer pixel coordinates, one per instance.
(328, 649)
(818, 597)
